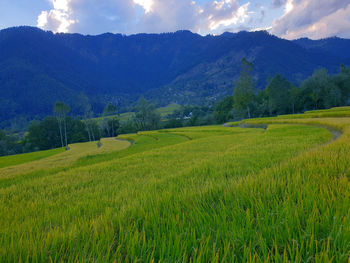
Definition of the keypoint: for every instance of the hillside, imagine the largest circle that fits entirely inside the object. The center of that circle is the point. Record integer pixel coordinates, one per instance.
(38, 68)
(270, 188)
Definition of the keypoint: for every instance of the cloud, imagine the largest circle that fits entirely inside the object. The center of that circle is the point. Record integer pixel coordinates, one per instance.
(150, 16)
(146, 4)
(58, 18)
(231, 15)
(314, 19)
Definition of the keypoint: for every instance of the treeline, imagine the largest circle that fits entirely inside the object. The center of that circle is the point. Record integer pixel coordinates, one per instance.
(60, 130)
(147, 118)
(280, 96)
(319, 91)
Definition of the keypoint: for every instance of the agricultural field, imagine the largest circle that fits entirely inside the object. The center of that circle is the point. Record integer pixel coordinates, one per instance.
(11, 160)
(273, 190)
(163, 111)
(15, 164)
(167, 110)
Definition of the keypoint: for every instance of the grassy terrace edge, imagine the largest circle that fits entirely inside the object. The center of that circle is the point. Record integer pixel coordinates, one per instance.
(11, 160)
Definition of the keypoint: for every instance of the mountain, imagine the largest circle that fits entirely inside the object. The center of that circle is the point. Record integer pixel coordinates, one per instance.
(38, 68)
(335, 46)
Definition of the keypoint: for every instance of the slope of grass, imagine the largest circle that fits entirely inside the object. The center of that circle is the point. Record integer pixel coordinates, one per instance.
(333, 112)
(17, 159)
(164, 111)
(198, 194)
(62, 158)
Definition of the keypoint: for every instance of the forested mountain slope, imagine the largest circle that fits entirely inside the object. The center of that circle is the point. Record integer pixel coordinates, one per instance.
(38, 68)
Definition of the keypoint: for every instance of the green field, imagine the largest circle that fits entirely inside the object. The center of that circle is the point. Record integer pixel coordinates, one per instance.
(163, 111)
(194, 194)
(11, 160)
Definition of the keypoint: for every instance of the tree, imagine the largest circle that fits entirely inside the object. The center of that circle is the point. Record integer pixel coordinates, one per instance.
(43, 135)
(222, 111)
(243, 94)
(110, 109)
(58, 114)
(318, 90)
(262, 104)
(9, 144)
(146, 117)
(278, 94)
(85, 106)
(110, 126)
(110, 121)
(61, 110)
(294, 94)
(89, 124)
(342, 81)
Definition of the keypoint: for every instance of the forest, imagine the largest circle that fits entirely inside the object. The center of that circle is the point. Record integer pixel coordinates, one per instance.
(279, 97)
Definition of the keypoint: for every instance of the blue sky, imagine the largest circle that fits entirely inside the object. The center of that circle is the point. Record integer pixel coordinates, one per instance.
(285, 18)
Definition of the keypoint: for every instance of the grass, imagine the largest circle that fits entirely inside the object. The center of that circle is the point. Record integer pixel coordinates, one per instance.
(198, 194)
(167, 110)
(163, 111)
(62, 158)
(11, 160)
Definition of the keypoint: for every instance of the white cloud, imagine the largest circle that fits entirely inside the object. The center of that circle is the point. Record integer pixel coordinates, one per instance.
(211, 17)
(61, 5)
(146, 4)
(237, 16)
(96, 16)
(57, 19)
(288, 6)
(314, 19)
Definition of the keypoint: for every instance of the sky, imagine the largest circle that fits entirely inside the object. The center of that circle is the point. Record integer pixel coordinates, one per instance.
(290, 19)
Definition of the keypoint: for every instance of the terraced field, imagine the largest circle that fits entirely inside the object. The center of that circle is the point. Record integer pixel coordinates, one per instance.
(198, 194)
(163, 111)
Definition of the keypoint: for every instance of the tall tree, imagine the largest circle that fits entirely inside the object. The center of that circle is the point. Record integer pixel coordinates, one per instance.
(110, 120)
(61, 110)
(315, 88)
(222, 109)
(85, 106)
(66, 110)
(146, 117)
(278, 94)
(58, 112)
(294, 94)
(243, 93)
(342, 81)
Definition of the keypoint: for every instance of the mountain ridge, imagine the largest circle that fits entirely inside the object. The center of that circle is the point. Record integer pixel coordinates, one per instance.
(39, 67)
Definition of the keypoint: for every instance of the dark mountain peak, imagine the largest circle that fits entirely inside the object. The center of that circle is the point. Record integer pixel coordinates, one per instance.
(22, 29)
(227, 34)
(39, 67)
(184, 32)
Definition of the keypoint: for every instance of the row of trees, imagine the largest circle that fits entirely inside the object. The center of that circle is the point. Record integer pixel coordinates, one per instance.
(9, 144)
(280, 96)
(61, 130)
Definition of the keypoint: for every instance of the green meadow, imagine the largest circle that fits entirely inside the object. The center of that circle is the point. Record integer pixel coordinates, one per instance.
(163, 111)
(276, 192)
(11, 160)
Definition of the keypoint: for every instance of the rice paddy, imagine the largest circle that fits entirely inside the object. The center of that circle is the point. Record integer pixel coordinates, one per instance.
(194, 194)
